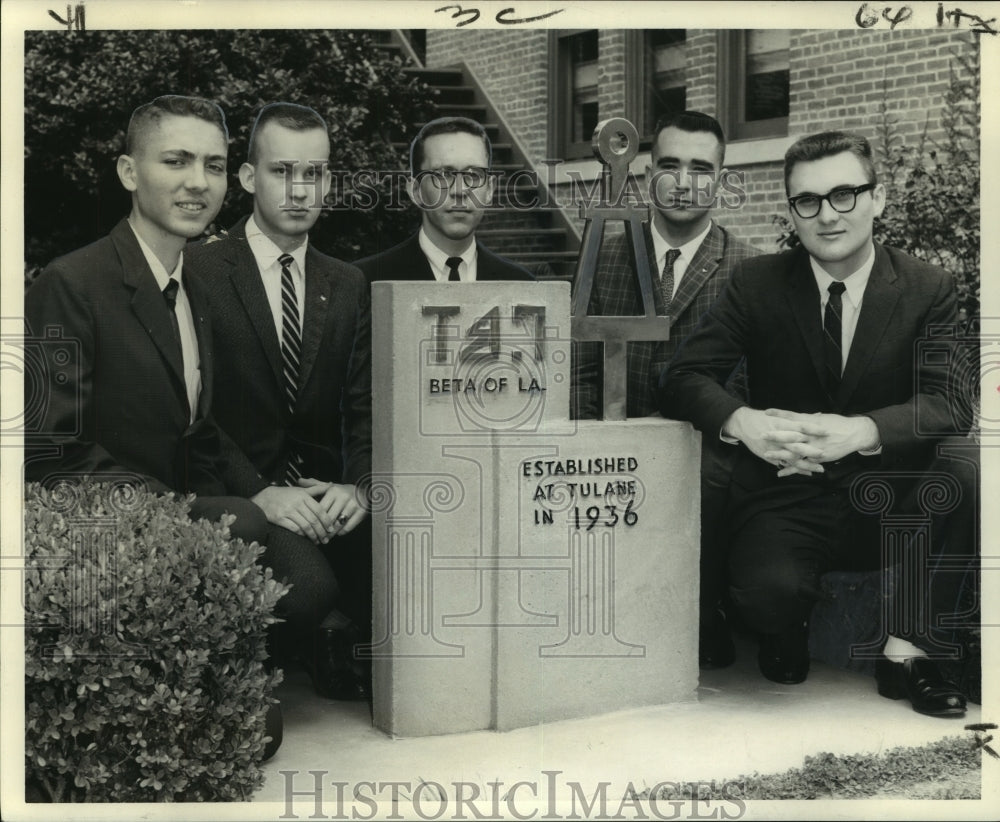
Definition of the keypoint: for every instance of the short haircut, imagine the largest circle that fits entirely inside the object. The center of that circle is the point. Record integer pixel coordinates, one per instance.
(691, 121)
(150, 114)
(289, 115)
(447, 125)
(827, 144)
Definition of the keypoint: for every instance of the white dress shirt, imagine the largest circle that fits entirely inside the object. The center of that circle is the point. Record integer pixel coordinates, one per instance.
(855, 283)
(185, 320)
(266, 253)
(439, 260)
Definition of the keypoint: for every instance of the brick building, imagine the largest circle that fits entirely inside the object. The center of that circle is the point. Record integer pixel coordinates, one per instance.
(767, 87)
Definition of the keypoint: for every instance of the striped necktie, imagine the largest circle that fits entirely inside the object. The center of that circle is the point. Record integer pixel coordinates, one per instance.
(291, 347)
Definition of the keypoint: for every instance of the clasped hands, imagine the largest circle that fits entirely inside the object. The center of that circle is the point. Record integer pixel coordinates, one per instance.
(800, 443)
(315, 509)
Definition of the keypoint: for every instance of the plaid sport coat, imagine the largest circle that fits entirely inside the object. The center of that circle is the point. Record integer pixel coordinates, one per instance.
(616, 293)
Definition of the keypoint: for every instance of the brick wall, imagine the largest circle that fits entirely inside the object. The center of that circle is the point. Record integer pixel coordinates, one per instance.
(842, 79)
(838, 80)
(513, 67)
(611, 74)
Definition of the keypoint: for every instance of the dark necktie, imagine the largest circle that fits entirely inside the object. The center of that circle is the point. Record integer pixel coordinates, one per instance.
(291, 337)
(291, 346)
(170, 296)
(667, 278)
(831, 336)
(453, 264)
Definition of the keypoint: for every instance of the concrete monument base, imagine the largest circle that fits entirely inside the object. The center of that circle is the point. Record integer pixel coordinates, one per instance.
(526, 568)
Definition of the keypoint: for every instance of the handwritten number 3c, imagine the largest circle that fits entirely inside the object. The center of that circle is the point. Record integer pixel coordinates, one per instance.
(502, 15)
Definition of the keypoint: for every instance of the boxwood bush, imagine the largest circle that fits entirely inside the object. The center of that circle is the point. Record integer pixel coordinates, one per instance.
(145, 643)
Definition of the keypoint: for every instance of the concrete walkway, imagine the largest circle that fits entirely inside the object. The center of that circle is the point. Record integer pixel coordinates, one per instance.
(737, 723)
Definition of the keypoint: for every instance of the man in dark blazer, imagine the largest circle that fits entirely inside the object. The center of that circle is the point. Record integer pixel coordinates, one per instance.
(694, 257)
(137, 403)
(293, 398)
(830, 333)
(450, 183)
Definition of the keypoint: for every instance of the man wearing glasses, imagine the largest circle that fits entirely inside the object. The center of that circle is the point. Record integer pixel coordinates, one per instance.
(831, 333)
(450, 183)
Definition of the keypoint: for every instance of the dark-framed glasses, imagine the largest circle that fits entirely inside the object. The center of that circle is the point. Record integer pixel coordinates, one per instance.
(444, 178)
(842, 200)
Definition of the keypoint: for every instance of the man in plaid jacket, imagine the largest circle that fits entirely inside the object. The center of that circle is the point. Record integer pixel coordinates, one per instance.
(693, 257)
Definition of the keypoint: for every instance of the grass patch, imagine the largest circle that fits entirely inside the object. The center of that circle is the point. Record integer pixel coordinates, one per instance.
(947, 769)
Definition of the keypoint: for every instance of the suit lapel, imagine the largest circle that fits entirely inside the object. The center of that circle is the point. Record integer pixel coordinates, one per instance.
(803, 298)
(316, 311)
(204, 334)
(881, 295)
(147, 301)
(247, 282)
(700, 270)
(412, 260)
(486, 268)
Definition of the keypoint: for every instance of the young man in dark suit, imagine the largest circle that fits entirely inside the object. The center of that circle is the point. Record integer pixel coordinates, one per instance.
(139, 403)
(830, 334)
(451, 185)
(693, 257)
(292, 369)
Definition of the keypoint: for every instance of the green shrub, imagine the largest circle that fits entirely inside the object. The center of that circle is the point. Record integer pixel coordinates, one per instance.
(848, 776)
(144, 648)
(81, 89)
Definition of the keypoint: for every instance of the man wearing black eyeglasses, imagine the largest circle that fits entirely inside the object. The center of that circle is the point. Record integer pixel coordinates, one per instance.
(831, 335)
(451, 185)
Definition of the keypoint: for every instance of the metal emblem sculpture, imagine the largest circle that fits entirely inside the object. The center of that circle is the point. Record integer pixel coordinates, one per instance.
(615, 144)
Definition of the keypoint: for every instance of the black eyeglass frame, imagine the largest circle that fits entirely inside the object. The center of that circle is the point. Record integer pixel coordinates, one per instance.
(793, 202)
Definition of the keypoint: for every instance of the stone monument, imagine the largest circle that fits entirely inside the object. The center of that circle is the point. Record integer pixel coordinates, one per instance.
(527, 568)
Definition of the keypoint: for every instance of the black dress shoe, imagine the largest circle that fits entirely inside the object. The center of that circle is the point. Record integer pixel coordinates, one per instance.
(715, 642)
(273, 727)
(784, 658)
(331, 665)
(920, 680)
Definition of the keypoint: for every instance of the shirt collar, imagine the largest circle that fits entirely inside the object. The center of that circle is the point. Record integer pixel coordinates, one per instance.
(159, 270)
(661, 246)
(266, 252)
(855, 282)
(438, 258)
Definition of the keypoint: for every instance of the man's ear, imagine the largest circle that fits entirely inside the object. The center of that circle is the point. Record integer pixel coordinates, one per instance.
(878, 199)
(126, 172)
(247, 175)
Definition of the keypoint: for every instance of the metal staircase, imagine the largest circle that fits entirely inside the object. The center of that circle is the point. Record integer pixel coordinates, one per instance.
(542, 239)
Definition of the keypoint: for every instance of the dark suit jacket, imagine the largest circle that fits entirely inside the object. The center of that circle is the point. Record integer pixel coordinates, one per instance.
(616, 293)
(407, 261)
(770, 314)
(123, 407)
(331, 427)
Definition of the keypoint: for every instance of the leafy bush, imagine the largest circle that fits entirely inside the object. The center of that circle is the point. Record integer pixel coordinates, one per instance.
(848, 776)
(81, 88)
(932, 186)
(144, 648)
